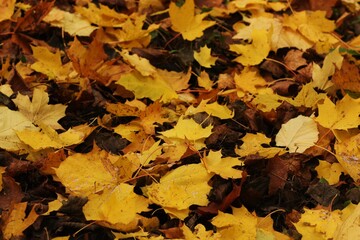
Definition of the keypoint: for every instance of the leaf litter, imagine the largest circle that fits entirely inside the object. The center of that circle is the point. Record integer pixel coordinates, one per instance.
(188, 119)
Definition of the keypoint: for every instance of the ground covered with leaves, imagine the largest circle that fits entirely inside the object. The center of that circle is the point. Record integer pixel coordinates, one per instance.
(157, 119)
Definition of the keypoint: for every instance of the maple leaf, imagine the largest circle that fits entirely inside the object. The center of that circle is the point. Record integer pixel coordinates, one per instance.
(240, 223)
(74, 24)
(348, 154)
(320, 76)
(254, 53)
(50, 64)
(16, 223)
(102, 15)
(215, 163)
(116, 206)
(344, 115)
(185, 21)
(204, 57)
(181, 187)
(329, 171)
(12, 121)
(142, 65)
(163, 84)
(49, 138)
(253, 146)
(321, 223)
(84, 174)
(132, 34)
(205, 81)
(213, 109)
(38, 111)
(188, 129)
(249, 81)
(298, 134)
(6, 9)
(200, 232)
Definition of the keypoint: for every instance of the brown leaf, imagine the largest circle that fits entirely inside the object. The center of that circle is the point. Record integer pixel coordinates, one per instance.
(348, 77)
(11, 193)
(294, 59)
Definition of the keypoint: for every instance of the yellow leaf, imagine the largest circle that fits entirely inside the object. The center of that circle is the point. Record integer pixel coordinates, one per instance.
(240, 223)
(38, 110)
(72, 23)
(254, 53)
(50, 64)
(224, 167)
(348, 155)
(163, 84)
(329, 171)
(298, 134)
(188, 129)
(119, 205)
(205, 81)
(84, 174)
(181, 187)
(344, 115)
(199, 233)
(249, 81)
(268, 101)
(141, 64)
(253, 145)
(321, 223)
(7, 8)
(307, 97)
(320, 76)
(185, 21)
(12, 121)
(350, 228)
(49, 138)
(204, 57)
(16, 223)
(102, 15)
(2, 170)
(213, 109)
(132, 34)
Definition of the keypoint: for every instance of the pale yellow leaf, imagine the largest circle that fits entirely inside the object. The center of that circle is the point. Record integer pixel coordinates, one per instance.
(38, 110)
(329, 171)
(298, 134)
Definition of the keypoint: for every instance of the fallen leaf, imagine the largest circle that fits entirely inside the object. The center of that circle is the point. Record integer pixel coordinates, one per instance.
(204, 57)
(215, 163)
(343, 115)
(252, 145)
(298, 134)
(347, 77)
(329, 171)
(38, 111)
(213, 109)
(7, 9)
(185, 21)
(181, 187)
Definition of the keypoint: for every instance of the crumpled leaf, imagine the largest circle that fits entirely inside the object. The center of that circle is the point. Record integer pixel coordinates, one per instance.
(116, 206)
(204, 57)
(181, 187)
(38, 111)
(215, 163)
(213, 109)
(298, 134)
(343, 115)
(185, 21)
